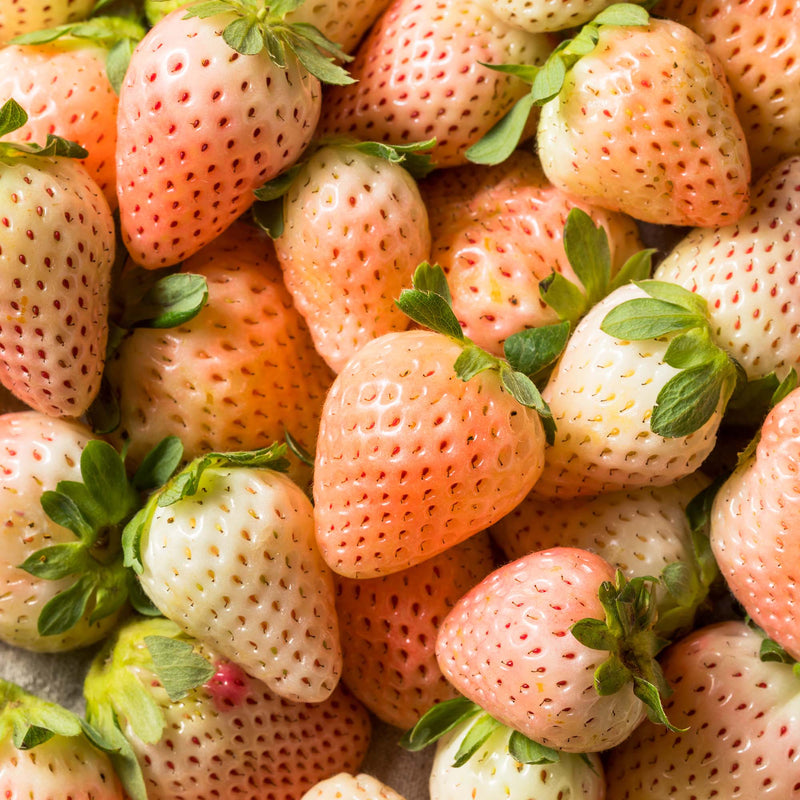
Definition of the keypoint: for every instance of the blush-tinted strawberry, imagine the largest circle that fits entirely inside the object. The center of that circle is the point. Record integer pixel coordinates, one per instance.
(23, 16)
(351, 787)
(342, 22)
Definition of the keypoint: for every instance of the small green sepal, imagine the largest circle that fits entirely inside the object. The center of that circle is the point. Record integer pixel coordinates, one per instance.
(437, 721)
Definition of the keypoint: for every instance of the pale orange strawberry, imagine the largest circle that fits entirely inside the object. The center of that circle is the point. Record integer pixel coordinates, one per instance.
(419, 75)
(22, 16)
(497, 233)
(351, 787)
(66, 91)
(238, 375)
(355, 229)
(758, 45)
(342, 21)
(389, 626)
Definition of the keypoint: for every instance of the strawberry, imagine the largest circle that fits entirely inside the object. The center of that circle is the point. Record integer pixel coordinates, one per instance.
(636, 116)
(498, 233)
(741, 715)
(541, 15)
(21, 16)
(747, 272)
(57, 251)
(754, 519)
(351, 787)
(202, 122)
(525, 645)
(226, 549)
(355, 229)
(236, 376)
(637, 395)
(758, 45)
(492, 770)
(36, 454)
(642, 532)
(420, 75)
(342, 22)
(190, 725)
(389, 625)
(46, 754)
(424, 440)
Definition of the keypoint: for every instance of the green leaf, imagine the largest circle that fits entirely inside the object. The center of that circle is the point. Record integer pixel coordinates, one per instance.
(637, 268)
(12, 117)
(437, 721)
(594, 633)
(430, 310)
(751, 401)
(476, 736)
(140, 602)
(93, 512)
(626, 14)
(411, 156)
(651, 698)
(564, 297)
(693, 348)
(244, 36)
(177, 666)
(63, 611)
(169, 302)
(321, 67)
(787, 385)
(159, 464)
(524, 391)
(549, 80)
(526, 751)
(276, 49)
(504, 136)
(646, 318)
(269, 217)
(104, 413)
(611, 676)
(117, 62)
(103, 473)
(681, 582)
(63, 511)
(110, 591)
(531, 351)
(677, 295)
(473, 360)
(277, 187)
(297, 449)
(431, 278)
(209, 8)
(58, 561)
(42, 36)
(772, 651)
(135, 704)
(587, 249)
(688, 400)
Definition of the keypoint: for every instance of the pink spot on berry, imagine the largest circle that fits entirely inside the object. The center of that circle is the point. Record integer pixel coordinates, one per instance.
(228, 686)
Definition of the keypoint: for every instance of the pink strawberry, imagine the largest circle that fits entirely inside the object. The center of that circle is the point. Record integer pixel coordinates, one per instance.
(741, 716)
(497, 233)
(36, 453)
(644, 124)
(512, 646)
(637, 395)
(238, 375)
(413, 455)
(747, 272)
(389, 626)
(355, 229)
(420, 75)
(45, 755)
(758, 45)
(226, 549)
(754, 521)
(351, 787)
(343, 23)
(21, 16)
(56, 257)
(201, 125)
(205, 729)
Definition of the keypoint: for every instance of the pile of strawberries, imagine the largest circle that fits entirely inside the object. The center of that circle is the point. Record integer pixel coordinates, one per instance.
(339, 385)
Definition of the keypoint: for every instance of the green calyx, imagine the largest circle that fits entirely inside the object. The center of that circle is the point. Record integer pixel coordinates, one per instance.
(527, 353)
(189, 482)
(118, 35)
(118, 690)
(260, 26)
(547, 80)
(707, 374)
(444, 717)
(96, 510)
(589, 254)
(628, 634)
(29, 721)
(12, 118)
(267, 212)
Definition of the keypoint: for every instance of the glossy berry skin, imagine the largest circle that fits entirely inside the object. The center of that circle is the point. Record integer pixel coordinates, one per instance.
(411, 459)
(351, 787)
(342, 21)
(419, 76)
(389, 625)
(24, 16)
(755, 522)
(758, 45)
(200, 127)
(507, 646)
(741, 714)
(748, 274)
(57, 252)
(355, 229)
(645, 125)
(36, 453)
